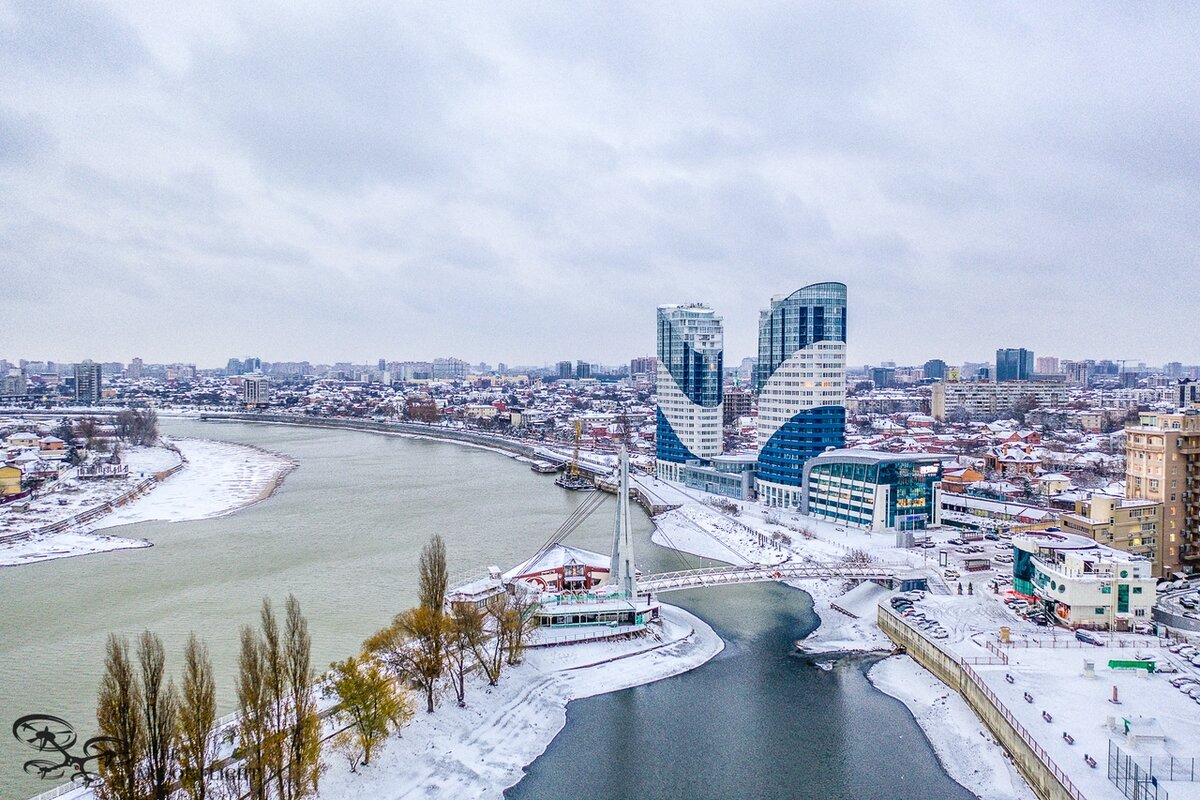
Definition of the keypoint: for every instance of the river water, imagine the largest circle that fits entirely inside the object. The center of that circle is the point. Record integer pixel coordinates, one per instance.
(343, 534)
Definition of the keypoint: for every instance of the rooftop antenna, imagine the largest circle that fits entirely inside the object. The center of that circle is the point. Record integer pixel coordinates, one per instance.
(621, 571)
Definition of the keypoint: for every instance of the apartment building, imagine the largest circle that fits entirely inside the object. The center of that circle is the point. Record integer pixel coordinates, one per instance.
(1162, 463)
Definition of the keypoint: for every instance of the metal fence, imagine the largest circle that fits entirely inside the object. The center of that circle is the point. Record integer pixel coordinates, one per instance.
(1128, 776)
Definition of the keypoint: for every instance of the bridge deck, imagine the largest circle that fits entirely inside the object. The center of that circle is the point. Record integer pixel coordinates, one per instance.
(721, 576)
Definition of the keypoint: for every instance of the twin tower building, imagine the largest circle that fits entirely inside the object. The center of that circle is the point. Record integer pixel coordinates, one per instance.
(800, 380)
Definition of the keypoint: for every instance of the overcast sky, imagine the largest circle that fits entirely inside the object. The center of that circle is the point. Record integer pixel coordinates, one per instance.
(348, 181)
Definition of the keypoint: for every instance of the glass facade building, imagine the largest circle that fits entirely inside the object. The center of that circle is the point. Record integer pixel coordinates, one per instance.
(1014, 364)
(689, 387)
(873, 490)
(801, 383)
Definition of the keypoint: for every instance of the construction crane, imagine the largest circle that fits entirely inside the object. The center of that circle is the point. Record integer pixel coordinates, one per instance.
(573, 470)
(571, 479)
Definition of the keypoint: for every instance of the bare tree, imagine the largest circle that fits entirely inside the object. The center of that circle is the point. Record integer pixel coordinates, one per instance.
(489, 649)
(517, 621)
(275, 680)
(197, 721)
(433, 577)
(464, 628)
(160, 706)
(254, 704)
(413, 646)
(304, 733)
(119, 717)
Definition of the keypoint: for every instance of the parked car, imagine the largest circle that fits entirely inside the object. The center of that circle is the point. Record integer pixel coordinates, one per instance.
(1196, 661)
(950, 573)
(1089, 637)
(956, 541)
(1165, 666)
(994, 537)
(1183, 681)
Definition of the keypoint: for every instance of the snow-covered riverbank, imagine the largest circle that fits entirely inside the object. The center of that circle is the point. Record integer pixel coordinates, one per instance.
(218, 478)
(480, 750)
(965, 748)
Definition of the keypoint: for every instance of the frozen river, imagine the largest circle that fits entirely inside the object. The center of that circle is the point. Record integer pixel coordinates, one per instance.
(343, 535)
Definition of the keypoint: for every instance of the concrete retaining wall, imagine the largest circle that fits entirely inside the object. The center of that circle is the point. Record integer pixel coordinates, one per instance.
(1044, 776)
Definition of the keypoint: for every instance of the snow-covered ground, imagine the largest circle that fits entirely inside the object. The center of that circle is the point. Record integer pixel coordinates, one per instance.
(963, 745)
(219, 478)
(480, 750)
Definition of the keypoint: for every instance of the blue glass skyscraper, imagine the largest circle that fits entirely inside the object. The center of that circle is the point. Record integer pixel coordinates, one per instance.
(801, 381)
(690, 366)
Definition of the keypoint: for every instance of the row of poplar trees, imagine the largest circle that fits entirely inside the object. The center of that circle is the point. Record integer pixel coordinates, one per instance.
(161, 738)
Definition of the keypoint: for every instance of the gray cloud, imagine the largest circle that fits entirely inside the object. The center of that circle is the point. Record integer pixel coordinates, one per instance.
(526, 183)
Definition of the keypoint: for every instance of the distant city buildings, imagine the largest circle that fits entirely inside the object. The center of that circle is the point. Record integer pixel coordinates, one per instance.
(935, 369)
(989, 399)
(449, 369)
(1014, 364)
(1047, 365)
(583, 369)
(737, 403)
(691, 345)
(643, 365)
(802, 387)
(87, 383)
(883, 377)
(564, 369)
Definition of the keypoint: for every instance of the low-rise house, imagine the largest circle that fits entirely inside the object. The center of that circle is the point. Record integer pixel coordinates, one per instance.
(10, 480)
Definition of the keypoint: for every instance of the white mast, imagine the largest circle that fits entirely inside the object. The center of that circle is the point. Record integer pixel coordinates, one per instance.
(621, 571)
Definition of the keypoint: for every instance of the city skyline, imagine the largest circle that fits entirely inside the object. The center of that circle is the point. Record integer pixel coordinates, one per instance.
(502, 181)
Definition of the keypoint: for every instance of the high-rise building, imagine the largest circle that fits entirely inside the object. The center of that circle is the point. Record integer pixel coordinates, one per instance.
(234, 367)
(1162, 462)
(565, 370)
(738, 403)
(449, 369)
(643, 365)
(583, 369)
(252, 364)
(801, 387)
(87, 383)
(1014, 364)
(256, 390)
(935, 369)
(134, 370)
(691, 352)
(12, 382)
(1047, 365)
(883, 377)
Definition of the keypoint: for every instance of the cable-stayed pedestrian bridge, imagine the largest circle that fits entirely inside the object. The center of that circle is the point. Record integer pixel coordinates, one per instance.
(754, 573)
